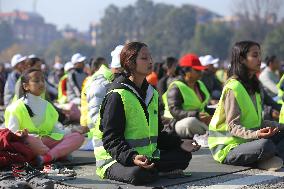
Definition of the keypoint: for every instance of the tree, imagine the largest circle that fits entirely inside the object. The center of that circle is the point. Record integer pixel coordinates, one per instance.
(171, 34)
(111, 34)
(256, 18)
(65, 48)
(6, 36)
(274, 42)
(7, 54)
(213, 38)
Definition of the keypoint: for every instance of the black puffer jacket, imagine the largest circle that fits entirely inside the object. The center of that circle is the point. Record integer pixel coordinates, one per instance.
(113, 124)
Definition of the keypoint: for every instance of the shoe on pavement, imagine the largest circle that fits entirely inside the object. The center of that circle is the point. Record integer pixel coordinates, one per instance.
(273, 164)
(58, 170)
(202, 140)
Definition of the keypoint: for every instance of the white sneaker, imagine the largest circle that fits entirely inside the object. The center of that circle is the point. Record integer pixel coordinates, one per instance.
(201, 140)
(273, 164)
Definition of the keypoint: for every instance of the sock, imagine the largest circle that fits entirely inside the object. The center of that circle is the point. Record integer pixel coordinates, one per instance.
(44, 159)
(47, 158)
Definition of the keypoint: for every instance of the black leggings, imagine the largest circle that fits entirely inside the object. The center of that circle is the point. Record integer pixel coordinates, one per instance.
(169, 160)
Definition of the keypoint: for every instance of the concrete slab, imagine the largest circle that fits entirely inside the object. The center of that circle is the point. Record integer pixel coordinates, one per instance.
(202, 166)
(81, 158)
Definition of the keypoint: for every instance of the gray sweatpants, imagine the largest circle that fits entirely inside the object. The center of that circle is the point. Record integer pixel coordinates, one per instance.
(188, 127)
(261, 149)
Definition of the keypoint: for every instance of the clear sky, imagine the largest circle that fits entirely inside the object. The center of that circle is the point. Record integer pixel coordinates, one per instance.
(79, 13)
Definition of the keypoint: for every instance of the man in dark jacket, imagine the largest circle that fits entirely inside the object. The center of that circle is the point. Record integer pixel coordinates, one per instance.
(170, 67)
(209, 78)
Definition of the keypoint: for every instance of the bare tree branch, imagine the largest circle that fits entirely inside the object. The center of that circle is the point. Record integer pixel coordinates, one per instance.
(256, 9)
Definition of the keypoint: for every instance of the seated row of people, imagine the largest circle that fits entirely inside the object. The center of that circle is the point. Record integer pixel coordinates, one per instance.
(130, 141)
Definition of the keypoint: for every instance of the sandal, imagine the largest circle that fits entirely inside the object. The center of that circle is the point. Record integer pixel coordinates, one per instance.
(58, 170)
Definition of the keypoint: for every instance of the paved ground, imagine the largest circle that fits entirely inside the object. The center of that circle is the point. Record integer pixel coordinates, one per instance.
(237, 180)
(242, 178)
(234, 178)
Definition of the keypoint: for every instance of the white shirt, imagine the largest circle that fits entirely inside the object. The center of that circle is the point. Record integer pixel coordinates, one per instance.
(38, 107)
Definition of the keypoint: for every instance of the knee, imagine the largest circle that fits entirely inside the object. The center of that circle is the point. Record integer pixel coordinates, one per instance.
(267, 147)
(186, 123)
(191, 121)
(142, 176)
(77, 137)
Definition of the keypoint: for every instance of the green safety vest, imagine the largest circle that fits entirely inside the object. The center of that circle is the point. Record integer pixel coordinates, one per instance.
(19, 110)
(281, 116)
(61, 99)
(280, 92)
(280, 101)
(220, 140)
(139, 133)
(107, 74)
(190, 99)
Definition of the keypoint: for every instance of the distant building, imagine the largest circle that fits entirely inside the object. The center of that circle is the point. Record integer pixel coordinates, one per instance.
(204, 16)
(94, 30)
(71, 33)
(233, 21)
(30, 28)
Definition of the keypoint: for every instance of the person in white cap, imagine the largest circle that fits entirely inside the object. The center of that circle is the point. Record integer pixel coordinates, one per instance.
(100, 83)
(209, 78)
(76, 78)
(115, 61)
(19, 65)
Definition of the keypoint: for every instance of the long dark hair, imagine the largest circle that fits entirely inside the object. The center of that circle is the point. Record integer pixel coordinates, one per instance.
(129, 55)
(239, 70)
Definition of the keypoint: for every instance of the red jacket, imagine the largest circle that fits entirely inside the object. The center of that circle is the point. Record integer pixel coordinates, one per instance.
(13, 150)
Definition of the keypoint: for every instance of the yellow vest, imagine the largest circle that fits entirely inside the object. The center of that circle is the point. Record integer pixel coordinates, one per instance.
(280, 92)
(62, 99)
(220, 140)
(281, 116)
(19, 110)
(84, 103)
(190, 99)
(139, 133)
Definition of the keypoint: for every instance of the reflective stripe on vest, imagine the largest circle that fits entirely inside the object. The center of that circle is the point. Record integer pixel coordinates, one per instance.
(19, 110)
(220, 141)
(139, 133)
(190, 99)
